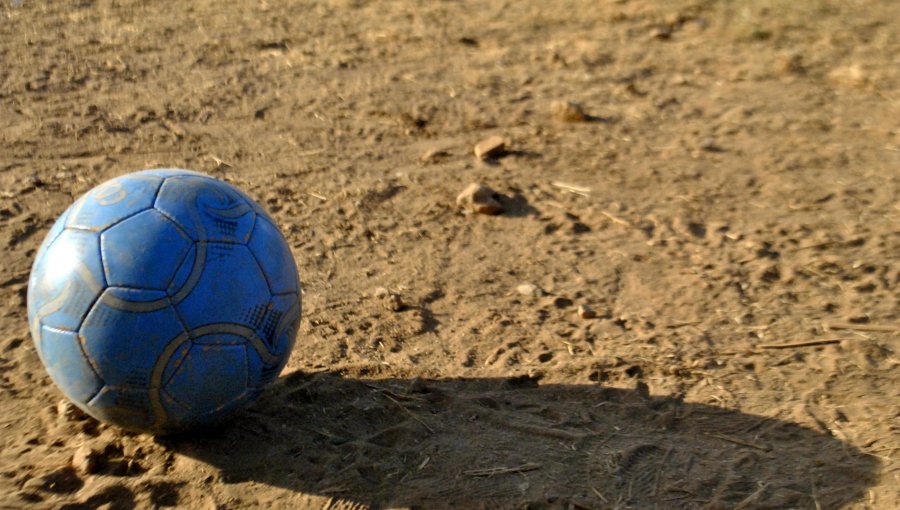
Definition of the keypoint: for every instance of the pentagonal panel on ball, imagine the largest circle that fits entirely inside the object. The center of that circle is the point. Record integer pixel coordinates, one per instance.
(206, 208)
(125, 338)
(113, 201)
(143, 251)
(274, 256)
(210, 377)
(67, 281)
(229, 285)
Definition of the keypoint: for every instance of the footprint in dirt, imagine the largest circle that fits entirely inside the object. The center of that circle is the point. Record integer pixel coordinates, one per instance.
(512, 443)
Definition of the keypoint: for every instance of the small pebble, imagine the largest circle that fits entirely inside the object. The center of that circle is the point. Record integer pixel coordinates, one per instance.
(86, 460)
(792, 64)
(67, 411)
(567, 111)
(709, 145)
(433, 156)
(851, 76)
(663, 32)
(586, 312)
(529, 289)
(562, 302)
(391, 300)
(491, 147)
(480, 199)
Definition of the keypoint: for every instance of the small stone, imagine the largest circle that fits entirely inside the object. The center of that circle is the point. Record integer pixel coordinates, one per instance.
(709, 145)
(851, 76)
(567, 111)
(67, 411)
(562, 302)
(792, 64)
(480, 199)
(432, 156)
(529, 289)
(662, 33)
(86, 460)
(770, 274)
(394, 303)
(33, 484)
(586, 312)
(391, 300)
(491, 147)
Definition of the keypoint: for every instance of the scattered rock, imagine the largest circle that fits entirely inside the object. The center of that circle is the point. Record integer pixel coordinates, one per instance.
(567, 111)
(586, 312)
(792, 64)
(86, 460)
(491, 147)
(562, 302)
(709, 145)
(67, 411)
(432, 156)
(394, 303)
(480, 199)
(578, 227)
(529, 289)
(851, 76)
(661, 33)
(687, 228)
(391, 300)
(770, 274)
(466, 358)
(61, 481)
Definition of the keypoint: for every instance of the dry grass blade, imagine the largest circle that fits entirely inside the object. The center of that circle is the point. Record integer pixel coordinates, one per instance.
(394, 394)
(809, 343)
(753, 497)
(529, 466)
(572, 188)
(616, 219)
(871, 328)
(410, 413)
(738, 441)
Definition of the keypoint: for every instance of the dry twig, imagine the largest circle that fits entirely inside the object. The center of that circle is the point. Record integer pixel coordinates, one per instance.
(410, 413)
(809, 343)
(871, 328)
(616, 219)
(738, 441)
(571, 188)
(530, 466)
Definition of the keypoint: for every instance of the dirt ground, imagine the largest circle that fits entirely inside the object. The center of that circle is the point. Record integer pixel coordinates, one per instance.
(728, 204)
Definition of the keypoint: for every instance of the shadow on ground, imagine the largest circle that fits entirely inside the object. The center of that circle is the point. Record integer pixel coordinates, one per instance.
(511, 443)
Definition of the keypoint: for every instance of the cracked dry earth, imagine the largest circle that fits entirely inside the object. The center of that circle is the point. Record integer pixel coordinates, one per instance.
(717, 181)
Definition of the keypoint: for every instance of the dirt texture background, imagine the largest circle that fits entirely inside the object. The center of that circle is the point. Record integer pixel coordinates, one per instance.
(724, 194)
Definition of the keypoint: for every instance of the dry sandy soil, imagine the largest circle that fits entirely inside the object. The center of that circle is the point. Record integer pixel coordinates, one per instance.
(729, 207)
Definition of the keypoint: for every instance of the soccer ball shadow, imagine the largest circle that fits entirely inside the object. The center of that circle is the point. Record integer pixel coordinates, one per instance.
(514, 443)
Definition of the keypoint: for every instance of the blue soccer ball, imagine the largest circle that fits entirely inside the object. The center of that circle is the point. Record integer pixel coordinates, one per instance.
(163, 299)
